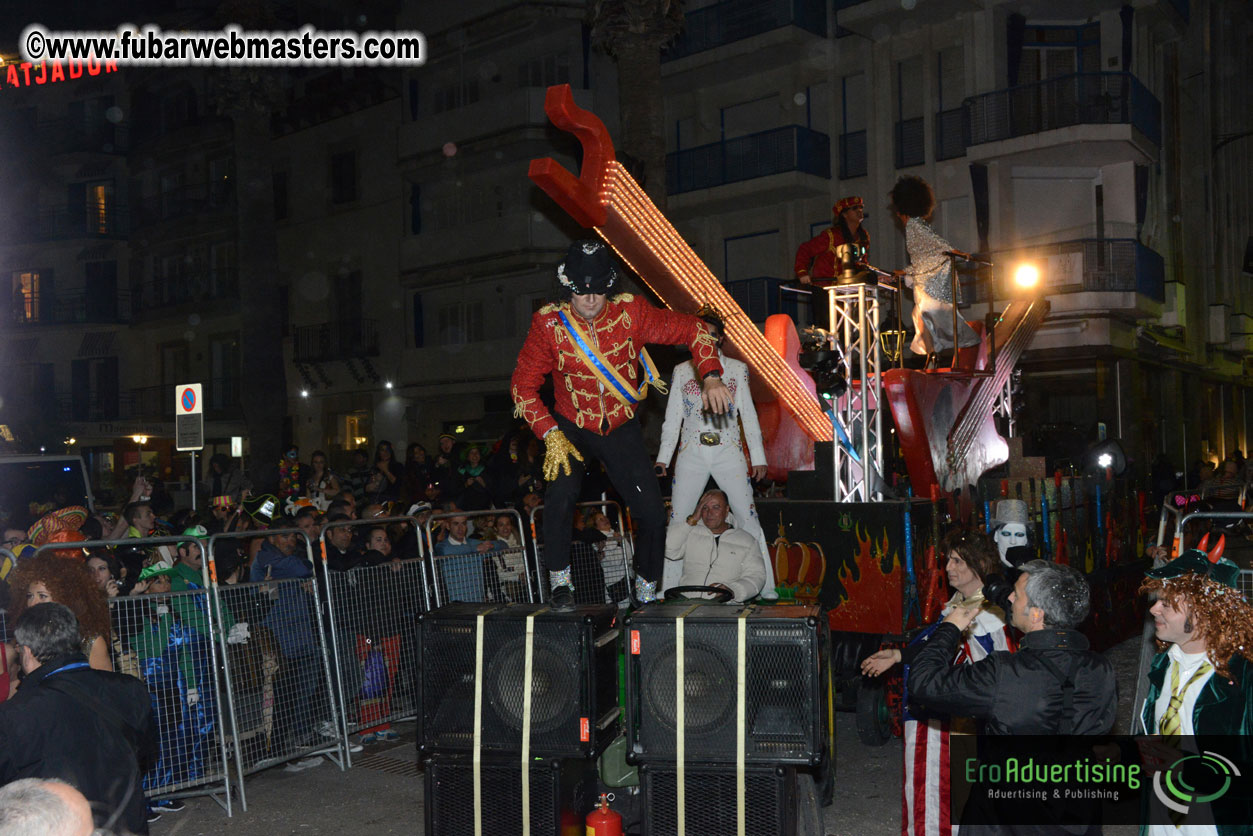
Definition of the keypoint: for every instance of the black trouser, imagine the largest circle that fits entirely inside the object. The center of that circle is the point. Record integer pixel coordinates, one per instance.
(630, 470)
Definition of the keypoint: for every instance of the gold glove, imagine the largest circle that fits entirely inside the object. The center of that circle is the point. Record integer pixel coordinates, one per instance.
(558, 450)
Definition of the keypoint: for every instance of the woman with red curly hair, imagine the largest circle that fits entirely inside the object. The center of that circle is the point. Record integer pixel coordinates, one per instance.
(49, 578)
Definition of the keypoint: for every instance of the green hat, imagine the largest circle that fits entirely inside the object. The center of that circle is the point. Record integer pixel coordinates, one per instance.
(196, 532)
(1222, 571)
(156, 569)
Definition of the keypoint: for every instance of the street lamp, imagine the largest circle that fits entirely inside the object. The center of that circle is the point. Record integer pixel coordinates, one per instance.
(1026, 275)
(140, 440)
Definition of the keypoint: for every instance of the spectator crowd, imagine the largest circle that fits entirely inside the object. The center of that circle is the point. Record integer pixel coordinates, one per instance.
(119, 644)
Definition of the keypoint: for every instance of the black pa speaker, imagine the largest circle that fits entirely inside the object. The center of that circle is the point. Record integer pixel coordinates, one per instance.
(574, 679)
(785, 712)
(562, 792)
(710, 796)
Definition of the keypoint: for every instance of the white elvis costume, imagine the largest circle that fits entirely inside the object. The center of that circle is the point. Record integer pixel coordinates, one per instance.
(686, 423)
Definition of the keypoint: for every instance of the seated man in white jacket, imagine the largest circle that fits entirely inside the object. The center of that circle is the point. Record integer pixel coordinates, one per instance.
(714, 553)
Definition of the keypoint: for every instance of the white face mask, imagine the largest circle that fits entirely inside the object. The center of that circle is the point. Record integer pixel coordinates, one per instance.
(1010, 534)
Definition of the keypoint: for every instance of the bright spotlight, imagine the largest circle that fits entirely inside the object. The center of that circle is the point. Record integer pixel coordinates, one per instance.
(1104, 458)
(304, 393)
(388, 384)
(1027, 275)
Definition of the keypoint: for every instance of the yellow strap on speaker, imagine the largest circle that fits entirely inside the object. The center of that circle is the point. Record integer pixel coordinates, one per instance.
(741, 713)
(680, 798)
(478, 723)
(830, 714)
(526, 721)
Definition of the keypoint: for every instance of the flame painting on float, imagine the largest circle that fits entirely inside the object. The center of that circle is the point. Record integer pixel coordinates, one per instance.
(866, 586)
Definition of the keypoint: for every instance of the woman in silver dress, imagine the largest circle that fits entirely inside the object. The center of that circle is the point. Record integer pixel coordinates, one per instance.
(929, 272)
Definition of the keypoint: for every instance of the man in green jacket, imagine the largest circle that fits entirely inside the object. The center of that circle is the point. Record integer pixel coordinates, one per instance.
(1201, 681)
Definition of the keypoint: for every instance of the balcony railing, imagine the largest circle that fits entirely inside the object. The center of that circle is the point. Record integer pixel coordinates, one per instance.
(198, 288)
(55, 224)
(1101, 265)
(186, 201)
(853, 155)
(63, 136)
(950, 141)
(343, 340)
(222, 396)
(735, 20)
(82, 405)
(68, 308)
(1079, 99)
(910, 144)
(793, 148)
(761, 297)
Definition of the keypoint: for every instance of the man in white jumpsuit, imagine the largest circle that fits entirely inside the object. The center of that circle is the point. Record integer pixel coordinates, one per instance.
(709, 445)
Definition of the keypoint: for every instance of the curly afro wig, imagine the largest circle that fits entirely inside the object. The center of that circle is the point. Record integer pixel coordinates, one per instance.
(69, 582)
(912, 197)
(1220, 614)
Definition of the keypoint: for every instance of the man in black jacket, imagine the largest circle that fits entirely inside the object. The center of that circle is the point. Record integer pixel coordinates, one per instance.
(1023, 693)
(91, 729)
(1054, 687)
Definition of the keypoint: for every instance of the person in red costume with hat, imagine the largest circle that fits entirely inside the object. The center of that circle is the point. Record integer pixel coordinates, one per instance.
(60, 526)
(589, 343)
(817, 257)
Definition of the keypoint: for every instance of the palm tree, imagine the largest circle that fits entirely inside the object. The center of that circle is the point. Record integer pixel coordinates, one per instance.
(635, 32)
(249, 96)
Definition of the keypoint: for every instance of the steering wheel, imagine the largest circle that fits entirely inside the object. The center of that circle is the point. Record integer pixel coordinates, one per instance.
(681, 593)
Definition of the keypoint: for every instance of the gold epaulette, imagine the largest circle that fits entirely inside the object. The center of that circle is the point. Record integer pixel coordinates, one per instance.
(551, 307)
(624, 297)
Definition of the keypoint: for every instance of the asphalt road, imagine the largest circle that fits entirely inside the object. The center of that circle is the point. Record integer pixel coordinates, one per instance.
(382, 793)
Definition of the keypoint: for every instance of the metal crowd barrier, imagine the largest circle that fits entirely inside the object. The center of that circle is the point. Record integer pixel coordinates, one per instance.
(495, 575)
(166, 640)
(280, 693)
(608, 566)
(6, 557)
(1168, 511)
(370, 615)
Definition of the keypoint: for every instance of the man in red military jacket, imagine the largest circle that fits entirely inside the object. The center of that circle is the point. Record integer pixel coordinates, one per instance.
(817, 259)
(589, 344)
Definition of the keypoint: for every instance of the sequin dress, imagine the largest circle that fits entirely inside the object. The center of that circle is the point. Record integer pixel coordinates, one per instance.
(930, 275)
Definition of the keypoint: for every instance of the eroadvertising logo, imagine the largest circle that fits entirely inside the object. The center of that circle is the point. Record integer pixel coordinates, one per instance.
(1194, 779)
(1076, 781)
(1027, 778)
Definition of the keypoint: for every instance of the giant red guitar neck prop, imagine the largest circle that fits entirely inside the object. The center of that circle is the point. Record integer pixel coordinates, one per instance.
(945, 421)
(606, 198)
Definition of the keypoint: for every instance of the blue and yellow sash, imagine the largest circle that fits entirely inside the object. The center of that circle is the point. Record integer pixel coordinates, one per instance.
(614, 383)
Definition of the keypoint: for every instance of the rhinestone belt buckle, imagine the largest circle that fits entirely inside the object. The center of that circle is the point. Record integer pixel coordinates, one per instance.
(710, 439)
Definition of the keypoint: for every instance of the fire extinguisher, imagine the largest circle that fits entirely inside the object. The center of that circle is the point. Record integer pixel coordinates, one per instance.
(602, 821)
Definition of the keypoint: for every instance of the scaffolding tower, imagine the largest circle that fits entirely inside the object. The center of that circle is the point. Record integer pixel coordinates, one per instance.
(854, 318)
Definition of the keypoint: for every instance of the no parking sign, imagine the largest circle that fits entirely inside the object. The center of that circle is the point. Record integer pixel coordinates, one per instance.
(188, 417)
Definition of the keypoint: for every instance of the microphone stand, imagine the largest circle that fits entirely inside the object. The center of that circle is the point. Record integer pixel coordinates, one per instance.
(953, 257)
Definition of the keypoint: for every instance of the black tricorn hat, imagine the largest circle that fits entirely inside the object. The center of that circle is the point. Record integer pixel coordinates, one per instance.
(588, 268)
